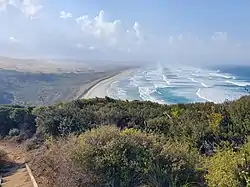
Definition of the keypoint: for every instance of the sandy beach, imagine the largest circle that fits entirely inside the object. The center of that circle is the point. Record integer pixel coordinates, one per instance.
(100, 88)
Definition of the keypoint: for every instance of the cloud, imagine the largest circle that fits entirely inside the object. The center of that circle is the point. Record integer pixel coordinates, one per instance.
(104, 33)
(91, 48)
(29, 7)
(79, 46)
(5, 3)
(137, 29)
(220, 36)
(13, 40)
(65, 15)
(98, 37)
(98, 27)
(180, 37)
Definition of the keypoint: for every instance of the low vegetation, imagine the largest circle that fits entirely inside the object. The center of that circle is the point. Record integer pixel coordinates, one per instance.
(107, 142)
(27, 88)
(3, 159)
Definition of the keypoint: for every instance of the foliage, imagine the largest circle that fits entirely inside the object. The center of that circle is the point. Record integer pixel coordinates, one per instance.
(54, 168)
(203, 124)
(133, 158)
(16, 117)
(229, 168)
(136, 143)
(214, 121)
(223, 169)
(245, 166)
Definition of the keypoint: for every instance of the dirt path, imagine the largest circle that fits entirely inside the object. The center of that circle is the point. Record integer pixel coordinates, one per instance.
(15, 173)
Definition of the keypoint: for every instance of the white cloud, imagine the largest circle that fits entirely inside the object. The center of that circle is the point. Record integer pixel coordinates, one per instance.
(113, 36)
(97, 36)
(5, 3)
(98, 27)
(220, 36)
(171, 39)
(91, 48)
(79, 46)
(29, 7)
(13, 40)
(65, 15)
(137, 30)
(180, 37)
(108, 33)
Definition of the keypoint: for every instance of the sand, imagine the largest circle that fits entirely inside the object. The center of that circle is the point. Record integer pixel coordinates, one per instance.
(100, 88)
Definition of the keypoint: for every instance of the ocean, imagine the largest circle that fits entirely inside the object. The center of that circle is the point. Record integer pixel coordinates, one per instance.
(168, 84)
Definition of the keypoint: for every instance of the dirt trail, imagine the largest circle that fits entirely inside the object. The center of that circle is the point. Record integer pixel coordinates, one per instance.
(15, 173)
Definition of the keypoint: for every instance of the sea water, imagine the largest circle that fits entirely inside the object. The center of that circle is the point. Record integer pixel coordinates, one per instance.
(184, 84)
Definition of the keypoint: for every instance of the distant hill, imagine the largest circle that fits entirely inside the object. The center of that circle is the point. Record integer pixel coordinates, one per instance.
(38, 81)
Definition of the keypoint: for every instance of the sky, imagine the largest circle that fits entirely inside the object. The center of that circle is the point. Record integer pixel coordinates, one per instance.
(187, 31)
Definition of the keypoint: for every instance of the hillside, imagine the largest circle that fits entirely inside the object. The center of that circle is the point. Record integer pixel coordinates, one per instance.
(39, 82)
(100, 142)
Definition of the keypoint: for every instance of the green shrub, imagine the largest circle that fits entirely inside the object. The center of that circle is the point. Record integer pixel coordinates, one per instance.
(131, 158)
(223, 169)
(245, 166)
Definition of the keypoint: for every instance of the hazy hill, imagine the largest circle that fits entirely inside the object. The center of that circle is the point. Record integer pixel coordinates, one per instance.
(37, 81)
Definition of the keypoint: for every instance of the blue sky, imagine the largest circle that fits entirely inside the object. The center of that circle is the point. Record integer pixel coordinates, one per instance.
(166, 30)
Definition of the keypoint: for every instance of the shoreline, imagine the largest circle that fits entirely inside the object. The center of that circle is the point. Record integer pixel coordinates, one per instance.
(99, 87)
(86, 87)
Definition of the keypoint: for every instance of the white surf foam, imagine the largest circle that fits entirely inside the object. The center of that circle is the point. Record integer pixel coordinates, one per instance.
(193, 80)
(218, 94)
(136, 80)
(221, 75)
(204, 85)
(198, 93)
(192, 83)
(145, 94)
(241, 84)
(196, 81)
(165, 79)
(159, 85)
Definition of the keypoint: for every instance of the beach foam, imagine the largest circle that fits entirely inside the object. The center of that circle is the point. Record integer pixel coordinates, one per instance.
(171, 84)
(242, 84)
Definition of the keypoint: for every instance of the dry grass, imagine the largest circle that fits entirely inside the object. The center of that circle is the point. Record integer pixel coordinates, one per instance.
(52, 166)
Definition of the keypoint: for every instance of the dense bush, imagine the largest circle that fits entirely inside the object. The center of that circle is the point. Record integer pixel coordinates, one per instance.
(53, 167)
(205, 125)
(223, 169)
(134, 158)
(107, 156)
(16, 117)
(229, 168)
(142, 146)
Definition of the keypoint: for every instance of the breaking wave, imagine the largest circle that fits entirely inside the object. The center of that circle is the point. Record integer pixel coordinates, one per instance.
(170, 84)
(242, 84)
